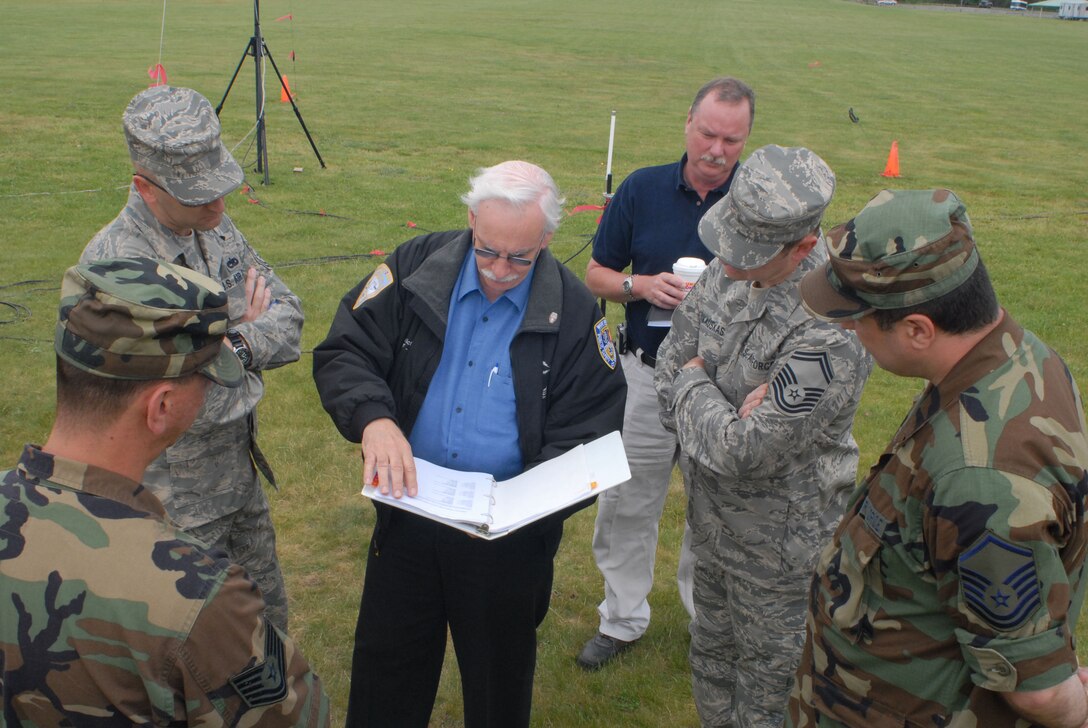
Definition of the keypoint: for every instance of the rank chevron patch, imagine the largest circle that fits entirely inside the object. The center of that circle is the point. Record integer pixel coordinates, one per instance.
(799, 385)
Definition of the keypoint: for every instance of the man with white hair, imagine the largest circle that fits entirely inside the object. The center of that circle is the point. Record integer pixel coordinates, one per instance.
(476, 350)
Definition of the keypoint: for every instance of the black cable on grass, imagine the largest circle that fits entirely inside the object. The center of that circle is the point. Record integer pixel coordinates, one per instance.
(575, 254)
(18, 312)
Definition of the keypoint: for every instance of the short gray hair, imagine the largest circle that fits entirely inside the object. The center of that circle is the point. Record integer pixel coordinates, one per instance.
(517, 183)
(728, 90)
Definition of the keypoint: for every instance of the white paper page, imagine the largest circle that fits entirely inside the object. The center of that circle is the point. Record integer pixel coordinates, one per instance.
(659, 317)
(445, 493)
(575, 475)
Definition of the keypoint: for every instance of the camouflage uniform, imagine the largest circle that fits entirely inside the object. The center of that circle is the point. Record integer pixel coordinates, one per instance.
(765, 490)
(110, 616)
(207, 479)
(956, 574)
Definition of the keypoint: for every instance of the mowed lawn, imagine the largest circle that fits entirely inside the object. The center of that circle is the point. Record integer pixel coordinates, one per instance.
(405, 99)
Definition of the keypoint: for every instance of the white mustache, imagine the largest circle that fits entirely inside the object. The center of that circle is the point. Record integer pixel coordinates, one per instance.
(720, 161)
(490, 275)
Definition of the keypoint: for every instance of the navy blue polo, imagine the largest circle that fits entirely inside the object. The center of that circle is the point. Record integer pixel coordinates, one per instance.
(652, 220)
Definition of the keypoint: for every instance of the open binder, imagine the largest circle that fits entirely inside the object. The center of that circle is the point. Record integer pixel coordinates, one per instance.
(476, 503)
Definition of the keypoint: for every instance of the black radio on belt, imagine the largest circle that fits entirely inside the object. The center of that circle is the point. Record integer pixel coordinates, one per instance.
(621, 338)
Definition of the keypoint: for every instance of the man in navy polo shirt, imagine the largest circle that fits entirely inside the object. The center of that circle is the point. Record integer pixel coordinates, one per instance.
(651, 222)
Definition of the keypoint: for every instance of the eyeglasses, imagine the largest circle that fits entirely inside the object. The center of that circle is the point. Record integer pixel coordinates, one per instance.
(486, 254)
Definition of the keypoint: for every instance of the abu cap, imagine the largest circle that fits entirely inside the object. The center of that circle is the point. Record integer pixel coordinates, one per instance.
(778, 196)
(173, 134)
(905, 247)
(143, 319)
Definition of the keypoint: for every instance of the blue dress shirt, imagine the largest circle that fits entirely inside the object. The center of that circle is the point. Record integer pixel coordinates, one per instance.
(468, 421)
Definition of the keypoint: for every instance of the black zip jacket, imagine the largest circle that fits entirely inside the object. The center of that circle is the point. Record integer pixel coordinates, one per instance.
(379, 357)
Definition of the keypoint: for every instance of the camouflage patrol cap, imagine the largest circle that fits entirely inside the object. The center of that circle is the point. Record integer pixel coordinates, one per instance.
(173, 133)
(137, 318)
(778, 196)
(904, 248)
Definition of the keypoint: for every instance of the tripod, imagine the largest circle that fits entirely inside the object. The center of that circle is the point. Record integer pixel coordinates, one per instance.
(258, 49)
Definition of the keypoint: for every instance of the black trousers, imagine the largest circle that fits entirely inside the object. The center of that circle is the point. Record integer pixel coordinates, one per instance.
(423, 576)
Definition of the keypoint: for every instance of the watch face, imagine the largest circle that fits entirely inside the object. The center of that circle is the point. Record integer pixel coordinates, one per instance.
(627, 285)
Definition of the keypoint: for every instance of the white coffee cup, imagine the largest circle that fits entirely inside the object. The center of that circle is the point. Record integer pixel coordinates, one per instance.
(689, 270)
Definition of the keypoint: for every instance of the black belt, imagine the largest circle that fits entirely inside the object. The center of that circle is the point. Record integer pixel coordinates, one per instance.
(647, 359)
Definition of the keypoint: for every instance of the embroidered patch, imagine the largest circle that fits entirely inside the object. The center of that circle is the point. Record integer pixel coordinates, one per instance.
(380, 279)
(799, 385)
(266, 682)
(605, 344)
(999, 582)
(873, 518)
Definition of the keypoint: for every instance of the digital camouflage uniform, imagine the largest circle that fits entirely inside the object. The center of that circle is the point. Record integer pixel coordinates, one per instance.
(207, 479)
(110, 616)
(765, 491)
(956, 573)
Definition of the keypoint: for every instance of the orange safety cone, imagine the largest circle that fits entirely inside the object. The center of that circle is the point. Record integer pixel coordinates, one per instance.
(891, 169)
(285, 92)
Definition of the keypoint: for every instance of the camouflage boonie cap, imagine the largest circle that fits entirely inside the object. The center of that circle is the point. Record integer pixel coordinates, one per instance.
(779, 196)
(173, 133)
(904, 248)
(137, 318)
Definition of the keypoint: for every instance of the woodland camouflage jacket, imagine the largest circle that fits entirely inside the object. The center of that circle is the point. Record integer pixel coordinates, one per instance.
(109, 616)
(957, 572)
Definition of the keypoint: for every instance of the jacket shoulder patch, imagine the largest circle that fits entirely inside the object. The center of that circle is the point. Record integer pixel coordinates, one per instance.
(605, 345)
(798, 386)
(380, 279)
(266, 682)
(999, 582)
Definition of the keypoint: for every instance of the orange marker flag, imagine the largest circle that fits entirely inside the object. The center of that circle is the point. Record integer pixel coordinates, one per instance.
(157, 74)
(285, 92)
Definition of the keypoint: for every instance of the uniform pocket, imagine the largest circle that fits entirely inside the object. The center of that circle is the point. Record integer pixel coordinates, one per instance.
(846, 571)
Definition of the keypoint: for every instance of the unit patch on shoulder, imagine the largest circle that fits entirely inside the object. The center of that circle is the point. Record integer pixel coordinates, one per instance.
(266, 682)
(604, 342)
(380, 279)
(798, 386)
(999, 582)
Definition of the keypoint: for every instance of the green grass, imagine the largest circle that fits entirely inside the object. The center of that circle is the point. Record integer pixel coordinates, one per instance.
(406, 99)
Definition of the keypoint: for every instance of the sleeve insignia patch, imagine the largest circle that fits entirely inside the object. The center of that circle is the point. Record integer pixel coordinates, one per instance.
(379, 280)
(999, 582)
(266, 682)
(605, 345)
(798, 386)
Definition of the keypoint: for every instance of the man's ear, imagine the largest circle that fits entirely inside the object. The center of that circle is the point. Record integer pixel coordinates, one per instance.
(471, 219)
(156, 404)
(145, 188)
(806, 245)
(547, 239)
(919, 331)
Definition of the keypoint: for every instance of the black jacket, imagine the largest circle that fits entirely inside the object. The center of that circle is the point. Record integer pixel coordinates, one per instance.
(379, 357)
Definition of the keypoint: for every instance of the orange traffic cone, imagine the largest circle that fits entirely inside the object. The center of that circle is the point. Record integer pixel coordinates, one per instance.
(891, 169)
(285, 92)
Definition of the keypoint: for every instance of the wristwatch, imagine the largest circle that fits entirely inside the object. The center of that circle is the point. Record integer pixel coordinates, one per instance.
(241, 348)
(629, 287)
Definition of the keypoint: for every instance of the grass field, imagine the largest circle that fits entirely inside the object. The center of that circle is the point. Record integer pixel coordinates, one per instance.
(406, 99)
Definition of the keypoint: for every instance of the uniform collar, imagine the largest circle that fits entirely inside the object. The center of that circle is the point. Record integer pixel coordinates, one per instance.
(990, 353)
(37, 465)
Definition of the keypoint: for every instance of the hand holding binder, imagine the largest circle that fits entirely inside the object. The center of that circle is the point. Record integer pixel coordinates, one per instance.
(477, 504)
